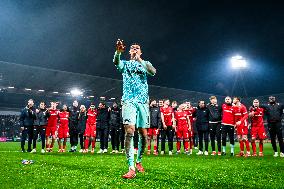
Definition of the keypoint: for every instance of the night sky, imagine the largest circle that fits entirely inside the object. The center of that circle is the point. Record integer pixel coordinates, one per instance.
(189, 42)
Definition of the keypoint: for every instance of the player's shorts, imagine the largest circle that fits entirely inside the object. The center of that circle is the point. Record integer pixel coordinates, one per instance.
(258, 132)
(90, 130)
(50, 131)
(152, 131)
(182, 133)
(135, 113)
(242, 130)
(63, 132)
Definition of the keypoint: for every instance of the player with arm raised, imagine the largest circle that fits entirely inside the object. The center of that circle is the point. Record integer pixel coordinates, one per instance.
(135, 101)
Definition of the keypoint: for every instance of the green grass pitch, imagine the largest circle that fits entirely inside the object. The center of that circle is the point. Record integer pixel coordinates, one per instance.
(76, 170)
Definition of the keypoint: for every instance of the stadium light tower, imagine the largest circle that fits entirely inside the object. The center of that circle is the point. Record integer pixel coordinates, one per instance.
(76, 92)
(238, 62)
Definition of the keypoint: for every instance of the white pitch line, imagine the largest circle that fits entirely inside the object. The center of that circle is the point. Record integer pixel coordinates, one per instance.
(9, 151)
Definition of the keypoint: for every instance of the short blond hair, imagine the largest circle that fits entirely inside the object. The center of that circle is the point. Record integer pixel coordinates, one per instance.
(212, 97)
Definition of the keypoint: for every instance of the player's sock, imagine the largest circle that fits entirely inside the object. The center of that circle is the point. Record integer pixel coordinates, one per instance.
(86, 143)
(59, 144)
(64, 144)
(186, 146)
(47, 146)
(247, 146)
(190, 144)
(149, 143)
(155, 148)
(232, 148)
(132, 168)
(242, 145)
(260, 146)
(224, 149)
(129, 149)
(93, 143)
(254, 146)
(178, 145)
(141, 147)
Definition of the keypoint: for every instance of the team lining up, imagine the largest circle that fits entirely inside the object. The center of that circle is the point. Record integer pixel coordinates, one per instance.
(211, 119)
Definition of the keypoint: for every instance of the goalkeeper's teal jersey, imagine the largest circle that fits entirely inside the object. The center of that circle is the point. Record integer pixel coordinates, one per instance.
(135, 86)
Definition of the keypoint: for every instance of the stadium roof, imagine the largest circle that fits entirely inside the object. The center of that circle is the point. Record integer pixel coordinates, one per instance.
(23, 77)
(21, 82)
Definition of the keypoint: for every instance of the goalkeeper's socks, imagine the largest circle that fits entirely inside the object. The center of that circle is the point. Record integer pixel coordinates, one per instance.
(132, 168)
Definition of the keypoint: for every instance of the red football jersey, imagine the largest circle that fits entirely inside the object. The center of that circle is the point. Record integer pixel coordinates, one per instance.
(190, 112)
(241, 114)
(181, 119)
(167, 112)
(53, 118)
(257, 119)
(228, 117)
(92, 116)
(63, 118)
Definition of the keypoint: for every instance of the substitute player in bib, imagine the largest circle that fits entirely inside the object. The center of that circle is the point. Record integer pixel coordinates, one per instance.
(241, 122)
(257, 127)
(63, 129)
(183, 127)
(135, 99)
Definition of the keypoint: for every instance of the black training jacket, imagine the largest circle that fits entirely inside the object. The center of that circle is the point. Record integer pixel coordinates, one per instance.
(202, 118)
(214, 112)
(155, 117)
(27, 117)
(273, 112)
(41, 118)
